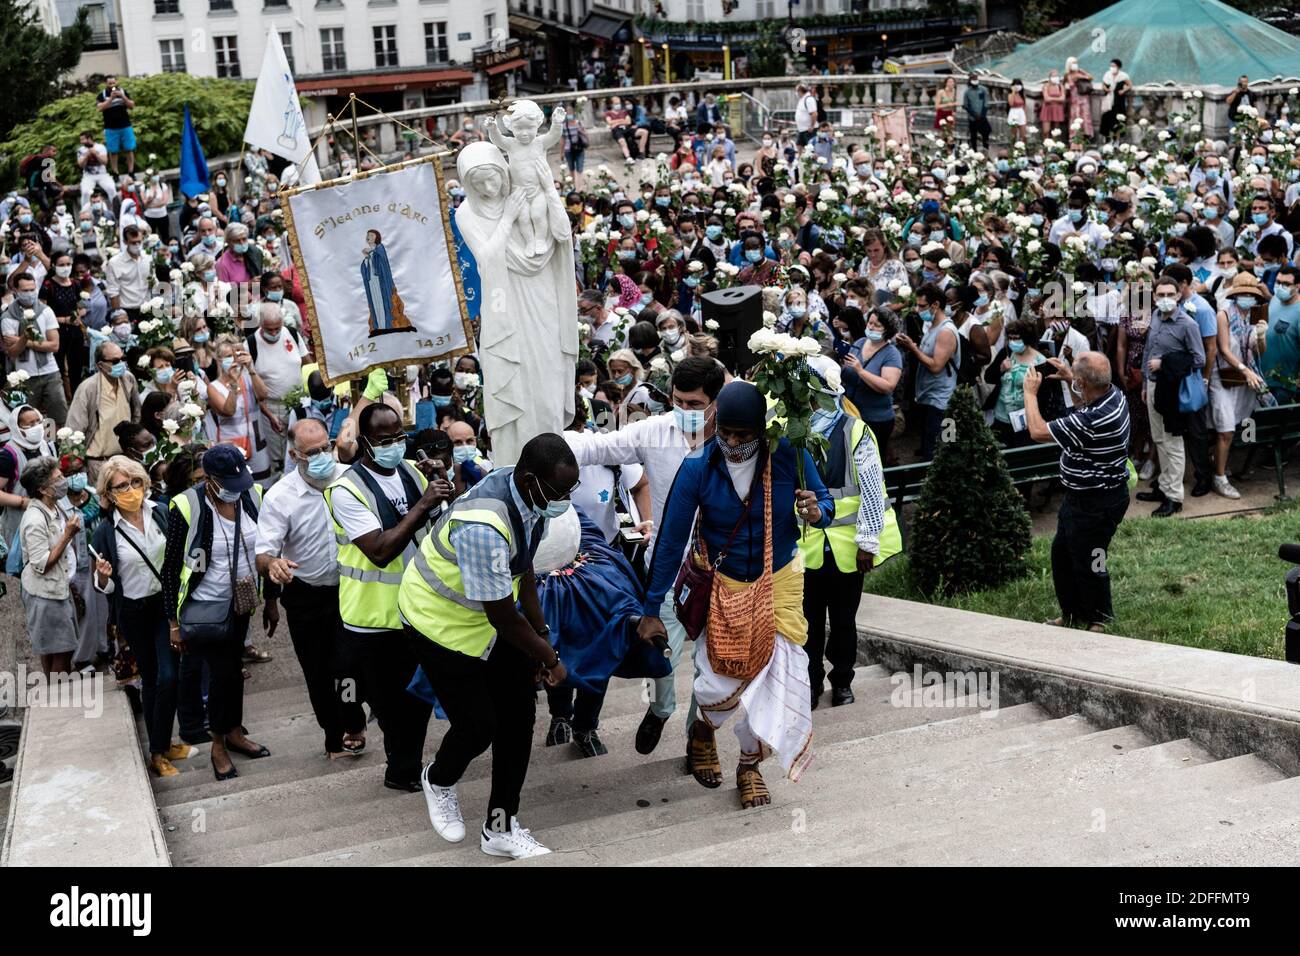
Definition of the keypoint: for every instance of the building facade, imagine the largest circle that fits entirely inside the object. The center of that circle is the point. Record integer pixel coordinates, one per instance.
(393, 54)
(103, 55)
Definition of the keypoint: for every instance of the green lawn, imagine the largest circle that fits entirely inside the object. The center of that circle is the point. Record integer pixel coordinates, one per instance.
(1215, 583)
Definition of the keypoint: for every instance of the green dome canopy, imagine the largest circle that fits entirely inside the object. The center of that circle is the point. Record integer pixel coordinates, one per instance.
(1198, 43)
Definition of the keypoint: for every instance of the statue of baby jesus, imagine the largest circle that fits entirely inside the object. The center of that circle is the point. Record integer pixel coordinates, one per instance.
(528, 167)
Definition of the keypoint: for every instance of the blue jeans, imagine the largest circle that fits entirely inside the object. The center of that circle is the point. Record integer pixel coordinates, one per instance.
(665, 692)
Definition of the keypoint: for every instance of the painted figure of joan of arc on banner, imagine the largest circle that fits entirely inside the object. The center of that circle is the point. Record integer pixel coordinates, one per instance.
(387, 314)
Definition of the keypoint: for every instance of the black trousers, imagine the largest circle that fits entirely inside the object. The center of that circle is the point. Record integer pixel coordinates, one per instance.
(1109, 120)
(189, 705)
(882, 432)
(388, 663)
(1080, 553)
(979, 129)
(830, 592)
(225, 663)
(144, 625)
(490, 703)
(1196, 439)
(931, 424)
(317, 631)
(580, 707)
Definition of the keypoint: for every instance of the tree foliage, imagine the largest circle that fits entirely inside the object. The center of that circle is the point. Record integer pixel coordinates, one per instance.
(219, 108)
(33, 61)
(971, 529)
(766, 55)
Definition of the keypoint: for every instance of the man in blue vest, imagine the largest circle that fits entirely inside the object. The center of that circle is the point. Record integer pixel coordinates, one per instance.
(471, 583)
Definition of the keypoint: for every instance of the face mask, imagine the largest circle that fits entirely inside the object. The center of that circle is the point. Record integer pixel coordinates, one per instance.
(63, 271)
(1259, 218)
(915, 239)
(200, 337)
(1228, 271)
(1016, 346)
(122, 331)
(25, 219)
(387, 456)
(240, 247)
(133, 248)
(627, 255)
(863, 169)
(1075, 215)
(221, 184)
(740, 453)
(931, 275)
(275, 296)
(981, 300)
(936, 235)
(26, 299)
(441, 401)
(1246, 302)
(227, 363)
(229, 497)
(210, 241)
(671, 339)
(77, 482)
(86, 226)
(1166, 303)
(1259, 271)
(1210, 212)
(663, 201)
(691, 281)
(59, 489)
(798, 311)
(624, 380)
(320, 466)
(874, 336)
(1258, 161)
(754, 255)
(1003, 165)
(163, 375)
(690, 420)
(1178, 228)
(552, 509)
(626, 220)
(913, 265)
(713, 232)
(463, 453)
(34, 435)
(1051, 193)
(1212, 175)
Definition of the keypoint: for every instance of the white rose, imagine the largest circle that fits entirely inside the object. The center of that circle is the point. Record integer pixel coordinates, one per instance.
(945, 263)
(711, 325)
(143, 361)
(904, 291)
(77, 437)
(170, 427)
(28, 314)
(808, 346)
(657, 364)
(769, 320)
(191, 410)
(763, 340)
(63, 434)
(1033, 246)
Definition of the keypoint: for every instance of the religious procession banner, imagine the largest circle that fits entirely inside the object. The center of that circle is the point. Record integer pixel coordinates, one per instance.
(379, 271)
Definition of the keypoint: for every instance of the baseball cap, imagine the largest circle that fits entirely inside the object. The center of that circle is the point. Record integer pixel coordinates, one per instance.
(226, 464)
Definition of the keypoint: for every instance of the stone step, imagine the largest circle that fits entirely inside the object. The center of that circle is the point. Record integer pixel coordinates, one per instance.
(646, 797)
(990, 826)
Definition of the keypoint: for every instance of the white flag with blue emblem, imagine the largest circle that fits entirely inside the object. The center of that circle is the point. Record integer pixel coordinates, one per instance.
(275, 122)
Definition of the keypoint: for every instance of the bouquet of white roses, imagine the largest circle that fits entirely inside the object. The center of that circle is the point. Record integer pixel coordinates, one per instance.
(782, 374)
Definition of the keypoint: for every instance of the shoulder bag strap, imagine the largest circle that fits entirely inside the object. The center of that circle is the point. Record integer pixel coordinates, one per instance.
(138, 550)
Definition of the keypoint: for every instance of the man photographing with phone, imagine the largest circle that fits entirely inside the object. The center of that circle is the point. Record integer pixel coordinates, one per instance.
(114, 104)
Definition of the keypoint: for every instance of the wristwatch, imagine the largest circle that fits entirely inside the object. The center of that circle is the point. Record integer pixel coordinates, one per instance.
(543, 631)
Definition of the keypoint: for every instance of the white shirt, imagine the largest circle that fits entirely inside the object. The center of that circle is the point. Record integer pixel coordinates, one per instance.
(1077, 343)
(30, 361)
(294, 523)
(138, 581)
(279, 363)
(656, 443)
(1273, 229)
(598, 494)
(604, 332)
(742, 475)
(356, 518)
(803, 112)
(1064, 227)
(215, 585)
(93, 167)
(128, 279)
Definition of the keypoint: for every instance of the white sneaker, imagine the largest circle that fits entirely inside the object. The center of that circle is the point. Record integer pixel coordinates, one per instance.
(1147, 470)
(1222, 487)
(517, 843)
(444, 809)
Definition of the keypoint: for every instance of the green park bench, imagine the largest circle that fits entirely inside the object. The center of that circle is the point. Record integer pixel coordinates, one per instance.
(1277, 428)
(903, 483)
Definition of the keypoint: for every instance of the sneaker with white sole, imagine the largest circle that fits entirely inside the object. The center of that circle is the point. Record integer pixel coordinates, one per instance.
(516, 843)
(444, 809)
(1222, 487)
(1147, 470)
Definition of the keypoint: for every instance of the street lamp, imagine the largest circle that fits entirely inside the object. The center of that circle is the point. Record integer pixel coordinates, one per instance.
(668, 67)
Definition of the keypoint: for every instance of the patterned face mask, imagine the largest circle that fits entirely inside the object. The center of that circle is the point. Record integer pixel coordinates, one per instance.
(740, 453)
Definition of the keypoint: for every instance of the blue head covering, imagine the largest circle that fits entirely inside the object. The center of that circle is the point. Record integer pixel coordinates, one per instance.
(741, 405)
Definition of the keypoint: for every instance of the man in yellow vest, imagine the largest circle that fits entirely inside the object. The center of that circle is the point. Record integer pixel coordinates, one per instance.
(862, 533)
(471, 583)
(381, 508)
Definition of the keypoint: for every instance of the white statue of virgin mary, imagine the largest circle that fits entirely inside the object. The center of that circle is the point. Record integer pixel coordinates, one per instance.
(528, 336)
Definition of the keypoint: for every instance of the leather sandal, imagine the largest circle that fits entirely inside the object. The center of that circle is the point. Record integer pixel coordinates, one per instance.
(753, 789)
(703, 755)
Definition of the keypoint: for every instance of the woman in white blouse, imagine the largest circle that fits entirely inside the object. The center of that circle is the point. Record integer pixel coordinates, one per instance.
(130, 543)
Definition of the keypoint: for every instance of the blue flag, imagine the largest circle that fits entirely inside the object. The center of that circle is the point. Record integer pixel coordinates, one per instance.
(194, 168)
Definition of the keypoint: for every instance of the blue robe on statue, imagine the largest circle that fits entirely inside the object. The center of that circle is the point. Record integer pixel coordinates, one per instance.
(592, 607)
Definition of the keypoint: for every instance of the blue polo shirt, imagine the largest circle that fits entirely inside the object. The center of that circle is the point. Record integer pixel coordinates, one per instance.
(1282, 355)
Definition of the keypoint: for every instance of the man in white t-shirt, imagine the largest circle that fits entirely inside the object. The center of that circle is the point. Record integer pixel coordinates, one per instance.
(91, 157)
(278, 357)
(31, 354)
(1070, 344)
(805, 114)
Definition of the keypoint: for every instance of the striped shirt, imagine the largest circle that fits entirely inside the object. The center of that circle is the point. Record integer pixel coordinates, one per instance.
(1094, 444)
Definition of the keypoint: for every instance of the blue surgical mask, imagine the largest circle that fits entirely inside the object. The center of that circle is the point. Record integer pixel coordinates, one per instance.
(77, 482)
(645, 298)
(691, 420)
(1212, 175)
(210, 241)
(1210, 212)
(1075, 215)
(1103, 215)
(936, 235)
(275, 296)
(200, 337)
(798, 311)
(25, 219)
(240, 247)
(627, 255)
(320, 466)
(1246, 302)
(663, 201)
(627, 220)
(163, 375)
(679, 254)
(1016, 345)
(1036, 218)
(1259, 218)
(981, 300)
(624, 380)
(227, 363)
(229, 497)
(209, 275)
(463, 453)
(713, 232)
(754, 255)
(118, 369)
(874, 336)
(441, 401)
(692, 281)
(552, 509)
(388, 456)
(322, 405)
(1003, 165)
(1284, 292)
(1259, 161)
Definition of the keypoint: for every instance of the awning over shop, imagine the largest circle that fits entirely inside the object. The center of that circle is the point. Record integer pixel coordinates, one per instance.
(609, 25)
(506, 66)
(381, 82)
(525, 24)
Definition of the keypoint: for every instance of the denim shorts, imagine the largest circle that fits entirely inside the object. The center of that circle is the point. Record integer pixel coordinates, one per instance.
(576, 158)
(120, 140)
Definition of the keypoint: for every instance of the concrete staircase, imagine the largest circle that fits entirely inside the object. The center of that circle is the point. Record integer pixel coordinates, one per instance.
(890, 784)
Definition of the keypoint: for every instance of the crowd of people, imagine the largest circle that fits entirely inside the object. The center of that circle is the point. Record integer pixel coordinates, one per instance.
(171, 462)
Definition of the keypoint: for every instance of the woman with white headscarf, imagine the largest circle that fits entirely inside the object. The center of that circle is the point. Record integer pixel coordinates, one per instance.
(129, 216)
(528, 317)
(22, 440)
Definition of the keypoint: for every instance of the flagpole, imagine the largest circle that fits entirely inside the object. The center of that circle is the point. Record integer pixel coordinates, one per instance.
(356, 141)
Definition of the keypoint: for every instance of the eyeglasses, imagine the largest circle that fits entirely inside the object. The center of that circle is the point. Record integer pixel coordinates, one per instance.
(313, 452)
(551, 493)
(387, 442)
(135, 484)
